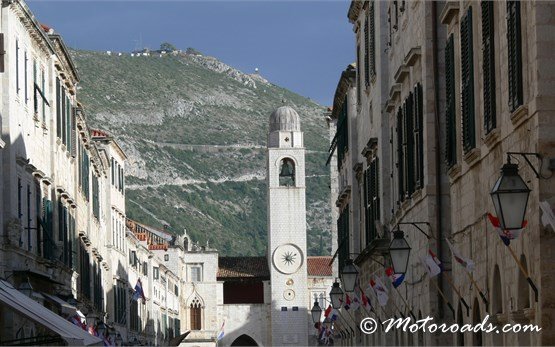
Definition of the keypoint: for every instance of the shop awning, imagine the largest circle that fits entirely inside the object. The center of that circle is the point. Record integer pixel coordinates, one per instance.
(20, 303)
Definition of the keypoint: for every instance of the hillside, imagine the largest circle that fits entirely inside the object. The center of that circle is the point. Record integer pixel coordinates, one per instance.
(195, 130)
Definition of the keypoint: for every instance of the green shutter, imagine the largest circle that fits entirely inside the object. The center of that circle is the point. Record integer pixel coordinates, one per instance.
(408, 134)
(58, 109)
(418, 137)
(467, 77)
(450, 104)
(358, 75)
(514, 54)
(400, 157)
(372, 40)
(366, 53)
(488, 66)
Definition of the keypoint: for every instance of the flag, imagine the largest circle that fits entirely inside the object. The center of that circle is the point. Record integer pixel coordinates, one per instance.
(347, 304)
(432, 264)
(221, 333)
(139, 294)
(505, 235)
(396, 279)
(365, 300)
(334, 315)
(327, 311)
(356, 303)
(466, 262)
(379, 289)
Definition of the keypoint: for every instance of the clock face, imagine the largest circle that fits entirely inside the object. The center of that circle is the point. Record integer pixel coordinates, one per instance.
(287, 258)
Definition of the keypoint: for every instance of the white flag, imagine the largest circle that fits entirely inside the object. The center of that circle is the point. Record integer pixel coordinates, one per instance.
(466, 262)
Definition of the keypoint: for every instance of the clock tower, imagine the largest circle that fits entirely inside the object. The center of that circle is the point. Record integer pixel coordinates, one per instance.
(287, 229)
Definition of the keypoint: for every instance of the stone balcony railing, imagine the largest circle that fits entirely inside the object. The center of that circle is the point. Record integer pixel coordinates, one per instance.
(141, 236)
(157, 247)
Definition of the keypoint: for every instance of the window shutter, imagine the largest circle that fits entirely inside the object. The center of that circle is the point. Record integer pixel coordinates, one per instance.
(400, 157)
(418, 137)
(367, 204)
(73, 133)
(376, 191)
(372, 42)
(488, 67)
(63, 115)
(17, 66)
(514, 54)
(409, 140)
(58, 109)
(2, 52)
(366, 53)
(450, 106)
(467, 74)
(358, 74)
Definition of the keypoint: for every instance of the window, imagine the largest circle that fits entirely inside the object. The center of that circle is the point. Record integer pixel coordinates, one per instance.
(145, 268)
(95, 197)
(84, 272)
(358, 74)
(195, 314)
(418, 137)
(25, 76)
(372, 199)
(120, 302)
(467, 79)
(515, 54)
(155, 273)
(343, 236)
(17, 66)
(488, 66)
(342, 134)
(366, 52)
(98, 294)
(400, 157)
(134, 321)
(58, 108)
(195, 272)
(372, 40)
(450, 104)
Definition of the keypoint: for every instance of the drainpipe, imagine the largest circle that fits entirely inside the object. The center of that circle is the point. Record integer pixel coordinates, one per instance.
(437, 152)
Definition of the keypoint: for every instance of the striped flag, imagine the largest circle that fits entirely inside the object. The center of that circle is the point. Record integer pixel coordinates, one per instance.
(396, 279)
(505, 235)
(466, 262)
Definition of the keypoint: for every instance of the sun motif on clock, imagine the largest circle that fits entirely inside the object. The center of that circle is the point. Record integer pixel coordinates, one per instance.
(287, 258)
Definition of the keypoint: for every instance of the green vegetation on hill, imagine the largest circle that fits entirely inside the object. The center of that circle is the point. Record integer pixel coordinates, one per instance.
(195, 132)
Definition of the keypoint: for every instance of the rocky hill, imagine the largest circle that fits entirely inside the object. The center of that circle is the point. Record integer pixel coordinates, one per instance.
(195, 130)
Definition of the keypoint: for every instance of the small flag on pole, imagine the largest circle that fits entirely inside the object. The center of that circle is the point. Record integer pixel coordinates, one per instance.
(466, 262)
(139, 293)
(505, 235)
(396, 279)
(222, 332)
(380, 290)
(327, 311)
(347, 304)
(432, 264)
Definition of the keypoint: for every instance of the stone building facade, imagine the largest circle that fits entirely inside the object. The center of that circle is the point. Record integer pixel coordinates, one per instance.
(440, 92)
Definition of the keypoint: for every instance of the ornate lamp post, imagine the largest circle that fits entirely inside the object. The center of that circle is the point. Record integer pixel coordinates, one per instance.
(399, 251)
(510, 197)
(336, 295)
(349, 276)
(316, 312)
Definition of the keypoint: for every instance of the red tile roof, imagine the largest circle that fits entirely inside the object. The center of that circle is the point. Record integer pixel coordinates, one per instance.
(243, 267)
(319, 266)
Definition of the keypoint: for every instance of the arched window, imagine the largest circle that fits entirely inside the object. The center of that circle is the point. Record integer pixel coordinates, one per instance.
(195, 314)
(523, 301)
(286, 173)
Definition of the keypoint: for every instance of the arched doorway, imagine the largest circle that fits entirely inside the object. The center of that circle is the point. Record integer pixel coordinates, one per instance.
(244, 340)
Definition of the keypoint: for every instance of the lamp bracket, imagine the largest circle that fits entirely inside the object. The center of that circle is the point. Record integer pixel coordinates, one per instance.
(415, 224)
(526, 156)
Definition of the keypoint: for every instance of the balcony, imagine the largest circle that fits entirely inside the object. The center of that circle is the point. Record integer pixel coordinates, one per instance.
(141, 236)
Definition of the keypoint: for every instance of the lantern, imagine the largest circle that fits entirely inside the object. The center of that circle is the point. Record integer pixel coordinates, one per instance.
(510, 197)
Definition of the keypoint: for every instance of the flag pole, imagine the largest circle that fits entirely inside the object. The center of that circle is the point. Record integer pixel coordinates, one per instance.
(524, 272)
(477, 287)
(444, 298)
(406, 303)
(458, 293)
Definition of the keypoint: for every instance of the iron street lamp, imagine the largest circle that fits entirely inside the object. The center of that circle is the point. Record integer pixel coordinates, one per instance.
(349, 276)
(336, 295)
(510, 197)
(399, 251)
(316, 312)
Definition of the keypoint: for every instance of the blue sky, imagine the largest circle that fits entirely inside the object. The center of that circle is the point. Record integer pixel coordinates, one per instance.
(300, 45)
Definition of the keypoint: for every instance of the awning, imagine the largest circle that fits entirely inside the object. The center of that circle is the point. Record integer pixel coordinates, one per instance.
(66, 308)
(73, 335)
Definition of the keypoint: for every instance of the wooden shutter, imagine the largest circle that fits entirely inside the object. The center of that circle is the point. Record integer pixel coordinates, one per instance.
(63, 115)
(514, 54)
(450, 105)
(467, 77)
(58, 109)
(367, 204)
(358, 75)
(488, 66)
(366, 53)
(73, 137)
(418, 137)
(400, 156)
(372, 42)
(2, 52)
(408, 134)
